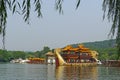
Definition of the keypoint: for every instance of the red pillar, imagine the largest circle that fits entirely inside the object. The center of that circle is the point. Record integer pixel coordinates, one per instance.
(57, 61)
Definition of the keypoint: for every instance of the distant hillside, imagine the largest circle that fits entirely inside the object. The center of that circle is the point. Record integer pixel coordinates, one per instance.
(106, 49)
(98, 44)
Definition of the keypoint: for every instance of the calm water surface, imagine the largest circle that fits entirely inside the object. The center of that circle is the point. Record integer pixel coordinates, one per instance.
(50, 72)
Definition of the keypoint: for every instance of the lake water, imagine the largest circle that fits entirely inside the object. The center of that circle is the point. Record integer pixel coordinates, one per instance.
(50, 72)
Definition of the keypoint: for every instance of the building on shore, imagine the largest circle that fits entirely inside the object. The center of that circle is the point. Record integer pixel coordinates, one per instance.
(50, 58)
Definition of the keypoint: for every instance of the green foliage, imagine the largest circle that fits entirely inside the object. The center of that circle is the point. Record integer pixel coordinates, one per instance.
(104, 56)
(44, 51)
(113, 14)
(107, 53)
(6, 56)
(101, 44)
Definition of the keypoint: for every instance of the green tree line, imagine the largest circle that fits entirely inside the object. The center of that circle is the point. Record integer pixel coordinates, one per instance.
(6, 56)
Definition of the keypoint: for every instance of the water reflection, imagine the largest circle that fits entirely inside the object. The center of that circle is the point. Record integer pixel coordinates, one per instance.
(50, 72)
(87, 73)
(76, 73)
(23, 72)
(109, 73)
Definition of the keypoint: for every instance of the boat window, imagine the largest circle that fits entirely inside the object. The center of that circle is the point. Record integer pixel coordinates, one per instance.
(83, 54)
(80, 53)
(72, 52)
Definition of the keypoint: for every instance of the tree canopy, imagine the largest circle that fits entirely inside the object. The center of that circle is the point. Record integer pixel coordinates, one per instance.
(23, 7)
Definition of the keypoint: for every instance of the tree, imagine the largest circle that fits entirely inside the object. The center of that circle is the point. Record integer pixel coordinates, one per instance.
(4, 56)
(23, 7)
(44, 51)
(113, 13)
(104, 56)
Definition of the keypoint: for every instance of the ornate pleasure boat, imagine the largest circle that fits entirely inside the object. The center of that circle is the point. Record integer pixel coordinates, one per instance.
(80, 55)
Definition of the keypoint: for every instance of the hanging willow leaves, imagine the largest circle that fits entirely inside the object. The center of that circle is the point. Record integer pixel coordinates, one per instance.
(38, 7)
(3, 16)
(21, 7)
(113, 14)
(26, 11)
(78, 3)
(59, 3)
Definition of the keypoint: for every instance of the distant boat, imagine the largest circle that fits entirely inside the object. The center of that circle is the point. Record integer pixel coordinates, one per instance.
(76, 56)
(36, 60)
(20, 60)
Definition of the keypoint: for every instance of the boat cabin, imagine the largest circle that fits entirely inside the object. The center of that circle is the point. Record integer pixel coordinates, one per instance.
(79, 54)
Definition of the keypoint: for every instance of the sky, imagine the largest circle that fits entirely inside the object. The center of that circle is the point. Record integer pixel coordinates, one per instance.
(54, 30)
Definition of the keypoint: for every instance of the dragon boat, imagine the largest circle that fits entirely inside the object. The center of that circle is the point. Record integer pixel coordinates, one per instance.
(80, 55)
